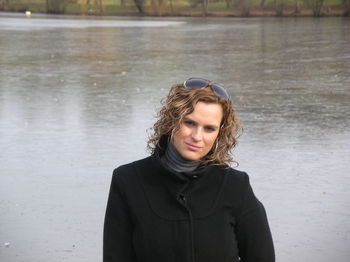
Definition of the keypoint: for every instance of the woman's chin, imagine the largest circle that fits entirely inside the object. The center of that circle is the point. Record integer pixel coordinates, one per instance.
(191, 155)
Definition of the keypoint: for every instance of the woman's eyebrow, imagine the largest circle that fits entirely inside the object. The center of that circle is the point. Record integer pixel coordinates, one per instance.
(212, 126)
(209, 125)
(188, 118)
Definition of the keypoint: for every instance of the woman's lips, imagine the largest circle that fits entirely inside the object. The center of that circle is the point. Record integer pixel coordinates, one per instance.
(192, 147)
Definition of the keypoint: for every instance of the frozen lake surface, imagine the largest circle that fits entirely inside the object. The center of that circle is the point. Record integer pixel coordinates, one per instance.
(78, 93)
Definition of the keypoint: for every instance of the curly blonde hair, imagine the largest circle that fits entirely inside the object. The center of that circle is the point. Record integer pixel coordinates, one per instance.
(181, 102)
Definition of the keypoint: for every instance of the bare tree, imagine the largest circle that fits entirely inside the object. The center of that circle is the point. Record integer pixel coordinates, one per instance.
(55, 6)
(96, 6)
(297, 7)
(4, 3)
(101, 6)
(243, 6)
(205, 4)
(171, 6)
(139, 6)
(316, 6)
(279, 7)
(346, 6)
(158, 6)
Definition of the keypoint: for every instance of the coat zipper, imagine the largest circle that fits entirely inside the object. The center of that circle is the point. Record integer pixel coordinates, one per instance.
(184, 202)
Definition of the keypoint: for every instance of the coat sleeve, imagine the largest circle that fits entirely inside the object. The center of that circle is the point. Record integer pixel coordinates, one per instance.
(252, 230)
(117, 232)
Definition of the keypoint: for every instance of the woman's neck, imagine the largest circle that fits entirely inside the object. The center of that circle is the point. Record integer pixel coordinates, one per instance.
(174, 161)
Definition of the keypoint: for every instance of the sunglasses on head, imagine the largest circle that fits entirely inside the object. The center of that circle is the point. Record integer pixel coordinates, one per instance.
(198, 83)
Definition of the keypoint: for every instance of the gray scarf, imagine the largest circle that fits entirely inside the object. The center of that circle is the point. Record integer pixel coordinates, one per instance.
(174, 161)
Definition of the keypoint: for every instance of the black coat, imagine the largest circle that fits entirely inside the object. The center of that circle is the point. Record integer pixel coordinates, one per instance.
(154, 215)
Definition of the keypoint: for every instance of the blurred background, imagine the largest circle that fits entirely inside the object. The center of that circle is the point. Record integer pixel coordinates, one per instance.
(77, 95)
(183, 7)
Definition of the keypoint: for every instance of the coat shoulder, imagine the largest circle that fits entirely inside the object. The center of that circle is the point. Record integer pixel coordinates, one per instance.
(237, 177)
(126, 171)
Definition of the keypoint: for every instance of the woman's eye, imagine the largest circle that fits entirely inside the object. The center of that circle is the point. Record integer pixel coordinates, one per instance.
(210, 128)
(189, 123)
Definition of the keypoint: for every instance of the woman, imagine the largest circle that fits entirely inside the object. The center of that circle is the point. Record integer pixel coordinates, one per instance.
(184, 203)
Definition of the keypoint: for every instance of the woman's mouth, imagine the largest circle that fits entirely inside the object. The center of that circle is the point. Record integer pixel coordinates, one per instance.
(192, 147)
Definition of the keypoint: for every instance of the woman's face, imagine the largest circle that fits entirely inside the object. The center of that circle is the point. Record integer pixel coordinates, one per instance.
(198, 131)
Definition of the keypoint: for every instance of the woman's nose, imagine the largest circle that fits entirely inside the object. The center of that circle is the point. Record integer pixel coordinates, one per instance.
(197, 134)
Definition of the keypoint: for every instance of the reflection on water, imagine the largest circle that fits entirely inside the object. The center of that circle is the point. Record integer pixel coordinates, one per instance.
(52, 22)
(77, 95)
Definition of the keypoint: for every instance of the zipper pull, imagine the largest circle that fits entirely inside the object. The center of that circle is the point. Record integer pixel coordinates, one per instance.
(182, 198)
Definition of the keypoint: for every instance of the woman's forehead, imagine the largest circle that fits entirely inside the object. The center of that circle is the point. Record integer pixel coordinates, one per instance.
(207, 113)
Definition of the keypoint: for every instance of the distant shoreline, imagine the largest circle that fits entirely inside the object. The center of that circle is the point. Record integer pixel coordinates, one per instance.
(180, 11)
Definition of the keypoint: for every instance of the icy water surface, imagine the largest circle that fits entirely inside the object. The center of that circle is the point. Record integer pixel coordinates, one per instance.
(77, 95)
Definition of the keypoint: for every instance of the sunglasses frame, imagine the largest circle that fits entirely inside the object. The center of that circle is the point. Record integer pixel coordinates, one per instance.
(219, 90)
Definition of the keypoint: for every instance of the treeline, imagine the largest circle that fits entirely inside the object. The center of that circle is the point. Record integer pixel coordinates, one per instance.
(183, 7)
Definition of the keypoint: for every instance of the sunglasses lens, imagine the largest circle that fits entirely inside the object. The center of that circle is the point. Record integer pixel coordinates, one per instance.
(195, 83)
(220, 91)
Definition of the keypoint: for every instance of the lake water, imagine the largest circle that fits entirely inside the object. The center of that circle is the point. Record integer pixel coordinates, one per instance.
(77, 95)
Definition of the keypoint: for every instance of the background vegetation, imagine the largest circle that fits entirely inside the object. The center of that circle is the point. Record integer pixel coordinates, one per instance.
(183, 7)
